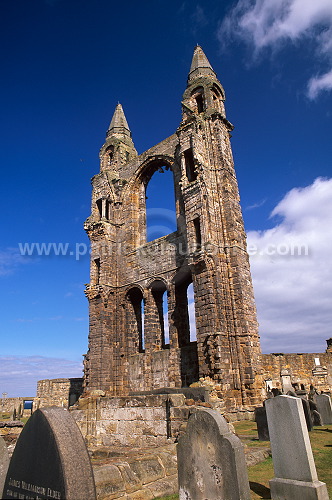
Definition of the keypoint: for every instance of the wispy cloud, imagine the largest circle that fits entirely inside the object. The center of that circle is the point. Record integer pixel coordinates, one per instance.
(198, 18)
(10, 259)
(292, 271)
(19, 374)
(271, 24)
(259, 204)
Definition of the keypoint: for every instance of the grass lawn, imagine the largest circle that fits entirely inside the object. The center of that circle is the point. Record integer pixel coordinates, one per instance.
(260, 474)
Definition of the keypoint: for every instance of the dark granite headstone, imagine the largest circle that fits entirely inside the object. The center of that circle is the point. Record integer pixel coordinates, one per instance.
(211, 462)
(261, 422)
(4, 463)
(50, 460)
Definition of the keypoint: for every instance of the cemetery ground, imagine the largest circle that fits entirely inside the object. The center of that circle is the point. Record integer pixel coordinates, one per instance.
(261, 473)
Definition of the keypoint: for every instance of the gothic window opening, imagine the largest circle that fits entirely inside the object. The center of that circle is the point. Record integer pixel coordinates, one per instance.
(198, 234)
(160, 204)
(96, 271)
(200, 103)
(198, 96)
(184, 312)
(190, 165)
(191, 313)
(136, 318)
(99, 204)
(165, 315)
(107, 209)
(184, 322)
(109, 155)
(160, 316)
(104, 208)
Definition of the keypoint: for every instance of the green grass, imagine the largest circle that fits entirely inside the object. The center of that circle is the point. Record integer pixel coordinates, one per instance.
(9, 416)
(245, 428)
(321, 443)
(170, 497)
(260, 474)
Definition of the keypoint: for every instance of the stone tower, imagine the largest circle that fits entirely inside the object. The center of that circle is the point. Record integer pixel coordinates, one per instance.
(128, 350)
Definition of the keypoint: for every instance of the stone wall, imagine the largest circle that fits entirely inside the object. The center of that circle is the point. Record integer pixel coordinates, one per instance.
(131, 276)
(139, 421)
(58, 392)
(301, 370)
(9, 405)
(137, 476)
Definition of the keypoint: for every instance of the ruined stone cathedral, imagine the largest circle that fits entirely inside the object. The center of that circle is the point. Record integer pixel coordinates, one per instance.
(130, 277)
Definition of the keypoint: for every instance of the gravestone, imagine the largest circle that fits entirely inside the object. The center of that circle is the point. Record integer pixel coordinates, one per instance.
(4, 463)
(261, 422)
(293, 462)
(315, 415)
(50, 460)
(211, 462)
(307, 413)
(286, 381)
(324, 406)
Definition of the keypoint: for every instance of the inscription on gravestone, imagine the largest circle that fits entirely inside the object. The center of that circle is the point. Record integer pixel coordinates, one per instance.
(50, 460)
(4, 462)
(211, 462)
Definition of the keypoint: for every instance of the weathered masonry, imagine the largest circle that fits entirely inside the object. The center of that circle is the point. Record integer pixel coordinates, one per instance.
(129, 351)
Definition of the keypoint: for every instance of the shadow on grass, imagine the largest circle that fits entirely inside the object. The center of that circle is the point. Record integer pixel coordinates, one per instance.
(323, 430)
(260, 489)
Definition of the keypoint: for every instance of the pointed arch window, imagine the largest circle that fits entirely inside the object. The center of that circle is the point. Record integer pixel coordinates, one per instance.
(136, 318)
(190, 165)
(159, 294)
(160, 202)
(198, 95)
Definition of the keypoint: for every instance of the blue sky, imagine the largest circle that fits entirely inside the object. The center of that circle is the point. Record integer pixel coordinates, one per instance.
(65, 65)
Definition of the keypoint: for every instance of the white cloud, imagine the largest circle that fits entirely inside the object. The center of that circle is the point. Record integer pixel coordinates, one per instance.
(291, 266)
(19, 374)
(272, 23)
(10, 258)
(319, 83)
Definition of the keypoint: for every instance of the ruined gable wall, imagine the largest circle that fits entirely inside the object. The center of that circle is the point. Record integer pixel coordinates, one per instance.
(302, 369)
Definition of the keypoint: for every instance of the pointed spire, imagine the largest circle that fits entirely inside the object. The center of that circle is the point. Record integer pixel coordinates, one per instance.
(119, 124)
(200, 65)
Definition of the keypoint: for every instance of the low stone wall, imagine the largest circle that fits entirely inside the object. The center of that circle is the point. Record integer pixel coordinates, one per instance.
(141, 477)
(140, 421)
(62, 392)
(9, 405)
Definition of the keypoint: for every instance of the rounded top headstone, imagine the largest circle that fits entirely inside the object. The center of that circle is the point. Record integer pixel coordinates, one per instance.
(50, 460)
